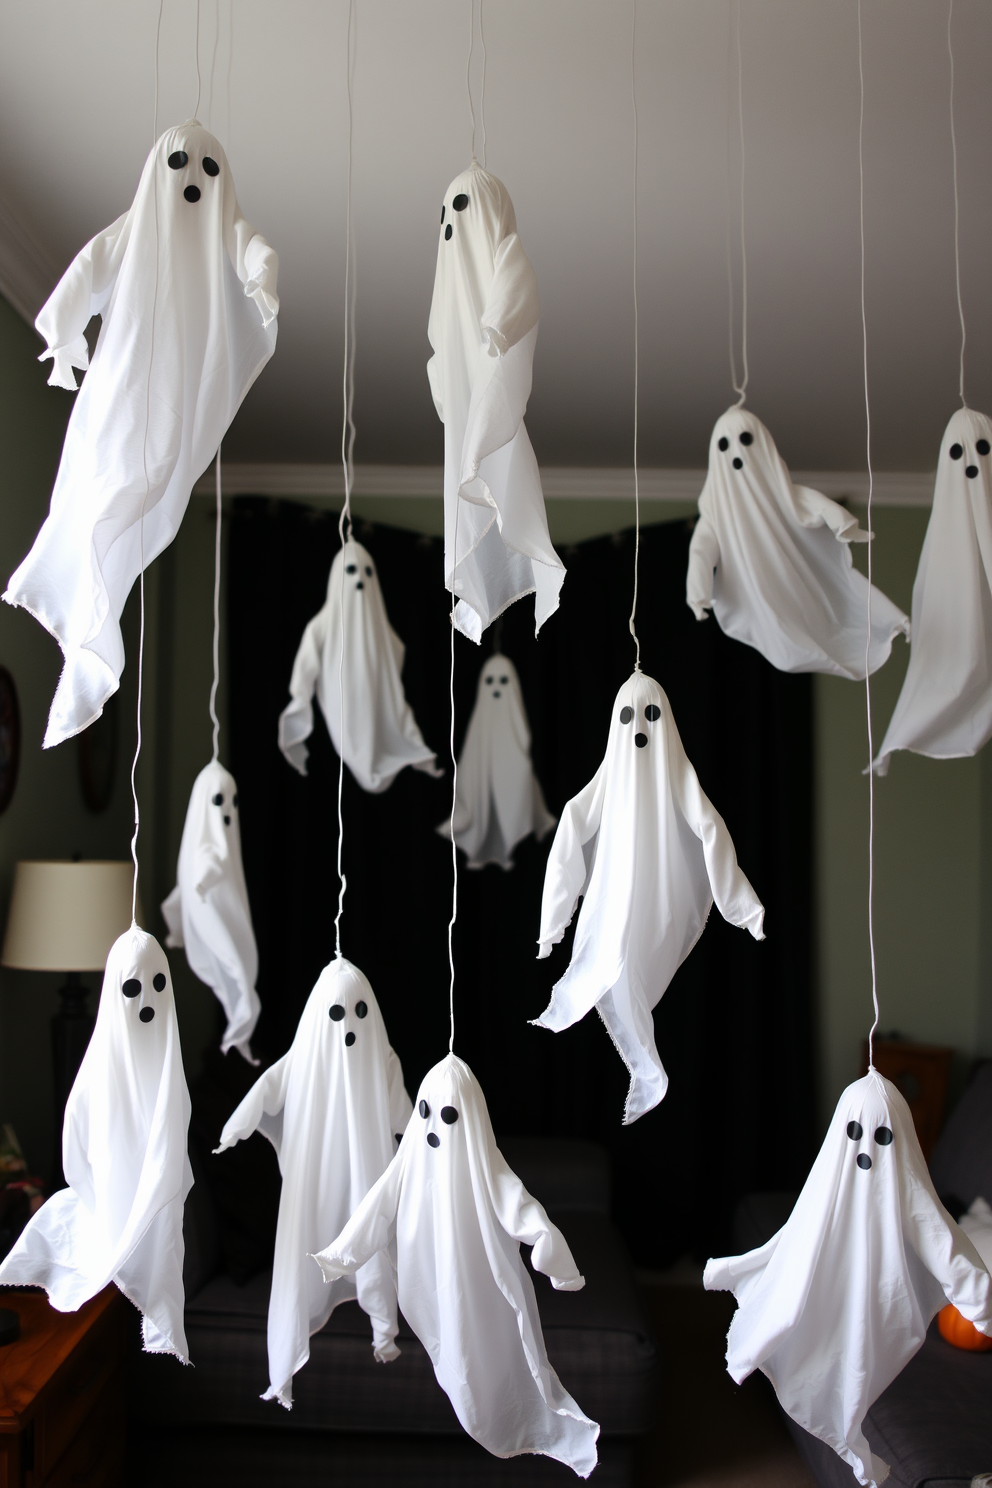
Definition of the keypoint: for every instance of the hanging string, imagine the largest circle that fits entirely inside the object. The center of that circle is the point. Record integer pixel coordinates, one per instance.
(158, 35)
(454, 796)
(347, 448)
(468, 68)
(230, 58)
(216, 682)
(741, 388)
(637, 488)
(871, 745)
(482, 35)
(957, 241)
(196, 111)
(213, 64)
(727, 212)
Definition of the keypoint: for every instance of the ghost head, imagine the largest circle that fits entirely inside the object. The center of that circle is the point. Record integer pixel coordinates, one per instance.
(839, 1301)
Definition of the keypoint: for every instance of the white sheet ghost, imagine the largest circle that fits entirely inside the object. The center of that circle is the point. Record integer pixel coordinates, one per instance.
(773, 561)
(649, 853)
(124, 1158)
(457, 1214)
(499, 799)
(836, 1303)
(945, 707)
(483, 328)
(187, 292)
(208, 912)
(381, 733)
(333, 1107)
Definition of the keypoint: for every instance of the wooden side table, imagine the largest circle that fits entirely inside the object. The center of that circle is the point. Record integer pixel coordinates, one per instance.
(62, 1394)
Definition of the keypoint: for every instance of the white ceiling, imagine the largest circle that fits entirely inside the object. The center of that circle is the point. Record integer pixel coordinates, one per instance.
(76, 116)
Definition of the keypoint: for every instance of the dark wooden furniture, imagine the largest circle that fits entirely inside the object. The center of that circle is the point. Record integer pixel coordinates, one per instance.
(62, 1394)
(919, 1072)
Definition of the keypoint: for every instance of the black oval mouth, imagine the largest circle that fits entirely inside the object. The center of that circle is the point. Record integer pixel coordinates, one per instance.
(971, 471)
(433, 1140)
(349, 1039)
(147, 1014)
(738, 463)
(192, 193)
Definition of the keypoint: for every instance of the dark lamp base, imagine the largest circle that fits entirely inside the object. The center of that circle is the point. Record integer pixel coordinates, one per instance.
(10, 1325)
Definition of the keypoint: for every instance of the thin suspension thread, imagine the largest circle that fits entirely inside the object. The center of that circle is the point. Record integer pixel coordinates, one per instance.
(213, 64)
(741, 388)
(957, 238)
(230, 58)
(468, 67)
(347, 445)
(216, 652)
(454, 796)
(727, 211)
(482, 35)
(196, 111)
(871, 745)
(158, 35)
(637, 488)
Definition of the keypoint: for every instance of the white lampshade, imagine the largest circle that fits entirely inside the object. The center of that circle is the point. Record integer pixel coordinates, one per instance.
(66, 916)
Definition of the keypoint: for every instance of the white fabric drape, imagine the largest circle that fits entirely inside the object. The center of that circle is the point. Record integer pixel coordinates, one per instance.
(945, 706)
(483, 330)
(457, 1215)
(124, 1158)
(208, 912)
(646, 851)
(773, 561)
(187, 292)
(839, 1301)
(333, 1108)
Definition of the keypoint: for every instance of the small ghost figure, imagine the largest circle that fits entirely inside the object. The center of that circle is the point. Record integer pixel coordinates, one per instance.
(773, 562)
(380, 732)
(124, 1158)
(187, 292)
(647, 852)
(333, 1108)
(457, 1215)
(483, 328)
(839, 1301)
(945, 707)
(499, 799)
(207, 911)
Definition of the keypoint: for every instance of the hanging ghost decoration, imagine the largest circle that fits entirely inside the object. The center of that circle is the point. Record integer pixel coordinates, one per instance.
(483, 329)
(380, 732)
(207, 912)
(124, 1157)
(945, 707)
(773, 561)
(499, 799)
(333, 1108)
(648, 854)
(457, 1215)
(839, 1301)
(187, 292)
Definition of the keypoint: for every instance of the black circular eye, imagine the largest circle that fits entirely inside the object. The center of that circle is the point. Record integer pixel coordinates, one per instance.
(982, 446)
(626, 714)
(442, 214)
(146, 1015)
(158, 981)
(424, 1109)
(855, 1131)
(351, 568)
(178, 159)
(234, 799)
(738, 463)
(652, 712)
(336, 1012)
(723, 443)
(503, 681)
(640, 740)
(192, 193)
(218, 799)
(368, 570)
(433, 1140)
(460, 202)
(449, 1115)
(490, 681)
(447, 233)
(971, 471)
(210, 166)
(362, 1009)
(349, 1039)
(955, 451)
(883, 1136)
(132, 987)
(747, 438)
(864, 1161)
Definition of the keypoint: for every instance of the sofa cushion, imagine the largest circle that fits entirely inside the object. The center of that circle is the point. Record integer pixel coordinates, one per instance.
(962, 1159)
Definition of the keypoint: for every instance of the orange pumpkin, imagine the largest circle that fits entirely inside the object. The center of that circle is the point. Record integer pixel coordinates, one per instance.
(957, 1330)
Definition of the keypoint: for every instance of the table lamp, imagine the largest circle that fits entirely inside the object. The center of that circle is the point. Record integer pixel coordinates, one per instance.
(65, 917)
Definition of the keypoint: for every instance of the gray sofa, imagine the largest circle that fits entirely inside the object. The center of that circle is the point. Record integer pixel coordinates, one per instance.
(354, 1421)
(933, 1425)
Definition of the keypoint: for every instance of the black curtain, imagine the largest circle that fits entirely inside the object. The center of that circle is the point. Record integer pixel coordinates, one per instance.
(733, 1029)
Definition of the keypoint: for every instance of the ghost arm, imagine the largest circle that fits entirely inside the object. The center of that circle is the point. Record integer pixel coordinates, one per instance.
(704, 556)
(296, 719)
(400, 1104)
(525, 1220)
(370, 1229)
(946, 1251)
(732, 894)
(261, 1110)
(512, 308)
(209, 867)
(81, 293)
(258, 269)
(813, 509)
(568, 868)
(172, 914)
